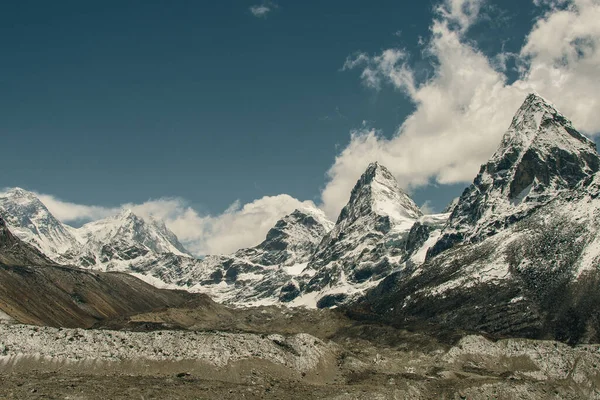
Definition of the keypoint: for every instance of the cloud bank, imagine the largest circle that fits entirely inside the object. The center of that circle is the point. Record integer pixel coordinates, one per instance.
(462, 111)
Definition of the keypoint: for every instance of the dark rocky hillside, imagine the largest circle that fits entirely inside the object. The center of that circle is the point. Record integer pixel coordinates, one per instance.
(34, 290)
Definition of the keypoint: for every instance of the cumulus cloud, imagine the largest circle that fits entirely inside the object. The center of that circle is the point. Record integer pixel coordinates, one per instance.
(462, 111)
(238, 227)
(261, 10)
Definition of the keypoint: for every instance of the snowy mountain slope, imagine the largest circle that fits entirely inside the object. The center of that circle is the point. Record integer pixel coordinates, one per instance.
(367, 241)
(36, 290)
(15, 252)
(526, 268)
(306, 259)
(540, 156)
(146, 248)
(249, 276)
(108, 244)
(292, 240)
(30, 220)
(112, 243)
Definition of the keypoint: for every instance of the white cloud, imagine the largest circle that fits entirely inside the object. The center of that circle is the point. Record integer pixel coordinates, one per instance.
(70, 212)
(462, 111)
(462, 13)
(427, 208)
(261, 11)
(237, 227)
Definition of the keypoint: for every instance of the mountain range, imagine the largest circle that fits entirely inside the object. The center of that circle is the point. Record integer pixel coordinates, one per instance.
(520, 252)
(516, 254)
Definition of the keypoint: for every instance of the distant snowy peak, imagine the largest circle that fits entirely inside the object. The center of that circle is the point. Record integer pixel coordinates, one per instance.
(316, 213)
(127, 227)
(14, 252)
(540, 156)
(377, 194)
(117, 239)
(30, 220)
(292, 240)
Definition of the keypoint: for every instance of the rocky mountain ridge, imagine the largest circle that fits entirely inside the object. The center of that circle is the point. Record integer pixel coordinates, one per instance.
(524, 233)
(540, 156)
(107, 244)
(511, 263)
(305, 259)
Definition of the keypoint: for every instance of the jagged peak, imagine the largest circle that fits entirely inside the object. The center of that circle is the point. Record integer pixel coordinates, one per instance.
(539, 124)
(540, 156)
(126, 213)
(21, 195)
(377, 191)
(315, 213)
(538, 127)
(376, 171)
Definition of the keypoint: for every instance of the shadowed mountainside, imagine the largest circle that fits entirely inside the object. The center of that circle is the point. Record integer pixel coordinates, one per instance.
(34, 290)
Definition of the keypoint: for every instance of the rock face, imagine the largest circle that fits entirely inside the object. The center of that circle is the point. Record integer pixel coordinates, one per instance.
(371, 237)
(520, 253)
(540, 156)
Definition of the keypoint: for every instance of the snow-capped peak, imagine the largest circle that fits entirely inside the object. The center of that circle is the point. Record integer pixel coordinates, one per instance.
(30, 220)
(292, 240)
(317, 214)
(15, 252)
(377, 192)
(539, 126)
(130, 227)
(540, 156)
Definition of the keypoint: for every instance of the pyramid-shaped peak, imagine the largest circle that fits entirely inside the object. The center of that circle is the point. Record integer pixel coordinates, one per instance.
(19, 193)
(539, 126)
(378, 174)
(376, 169)
(539, 116)
(534, 98)
(127, 213)
(378, 192)
(540, 156)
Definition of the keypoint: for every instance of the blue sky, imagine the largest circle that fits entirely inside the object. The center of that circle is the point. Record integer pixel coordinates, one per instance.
(113, 102)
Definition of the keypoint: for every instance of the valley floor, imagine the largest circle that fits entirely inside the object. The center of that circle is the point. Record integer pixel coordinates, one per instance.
(278, 353)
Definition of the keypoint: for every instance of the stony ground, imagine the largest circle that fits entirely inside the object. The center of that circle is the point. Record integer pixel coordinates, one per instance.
(271, 353)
